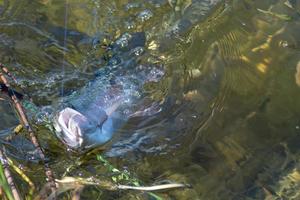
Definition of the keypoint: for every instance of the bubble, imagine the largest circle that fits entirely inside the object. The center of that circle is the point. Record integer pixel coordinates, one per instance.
(96, 42)
(123, 40)
(129, 24)
(131, 6)
(114, 61)
(21, 166)
(145, 15)
(126, 112)
(155, 74)
(157, 3)
(283, 44)
(138, 51)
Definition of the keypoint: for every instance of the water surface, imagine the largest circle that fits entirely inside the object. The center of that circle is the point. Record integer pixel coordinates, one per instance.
(228, 116)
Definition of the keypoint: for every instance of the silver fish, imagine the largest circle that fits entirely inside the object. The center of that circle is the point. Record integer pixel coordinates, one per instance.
(92, 115)
(100, 109)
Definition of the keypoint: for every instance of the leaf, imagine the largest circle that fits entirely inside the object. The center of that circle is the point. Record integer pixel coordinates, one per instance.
(18, 128)
(115, 170)
(114, 179)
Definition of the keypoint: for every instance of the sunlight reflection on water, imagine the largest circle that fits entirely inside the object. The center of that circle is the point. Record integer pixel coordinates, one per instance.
(224, 116)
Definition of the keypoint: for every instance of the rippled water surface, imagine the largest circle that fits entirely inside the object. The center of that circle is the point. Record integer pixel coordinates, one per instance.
(224, 117)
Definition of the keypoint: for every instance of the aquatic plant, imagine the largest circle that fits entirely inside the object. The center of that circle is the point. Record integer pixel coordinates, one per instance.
(4, 180)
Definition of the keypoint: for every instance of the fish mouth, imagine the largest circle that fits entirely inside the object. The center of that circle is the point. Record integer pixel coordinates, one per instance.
(71, 127)
(93, 128)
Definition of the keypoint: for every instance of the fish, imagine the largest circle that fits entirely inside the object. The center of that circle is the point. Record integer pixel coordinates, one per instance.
(94, 114)
(90, 117)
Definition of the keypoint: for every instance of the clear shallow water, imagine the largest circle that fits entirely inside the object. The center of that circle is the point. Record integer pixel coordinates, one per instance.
(228, 123)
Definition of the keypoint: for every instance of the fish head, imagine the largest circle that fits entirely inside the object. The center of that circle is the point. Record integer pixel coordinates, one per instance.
(78, 130)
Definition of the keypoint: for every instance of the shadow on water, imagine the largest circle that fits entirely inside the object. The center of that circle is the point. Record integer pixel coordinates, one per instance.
(224, 117)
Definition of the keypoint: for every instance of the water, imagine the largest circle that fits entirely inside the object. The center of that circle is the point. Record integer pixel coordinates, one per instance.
(227, 120)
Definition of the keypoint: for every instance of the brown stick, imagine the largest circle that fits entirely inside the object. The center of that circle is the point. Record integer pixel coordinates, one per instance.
(9, 177)
(5, 70)
(23, 119)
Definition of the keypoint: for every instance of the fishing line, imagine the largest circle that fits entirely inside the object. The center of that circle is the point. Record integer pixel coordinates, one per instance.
(65, 46)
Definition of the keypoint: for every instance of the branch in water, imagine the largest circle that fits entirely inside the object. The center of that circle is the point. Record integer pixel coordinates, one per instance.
(74, 182)
(10, 92)
(6, 71)
(154, 187)
(27, 126)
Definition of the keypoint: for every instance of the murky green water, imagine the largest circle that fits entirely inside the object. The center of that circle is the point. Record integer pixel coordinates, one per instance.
(228, 122)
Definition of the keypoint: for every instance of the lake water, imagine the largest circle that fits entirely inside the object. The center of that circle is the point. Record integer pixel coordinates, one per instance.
(226, 115)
